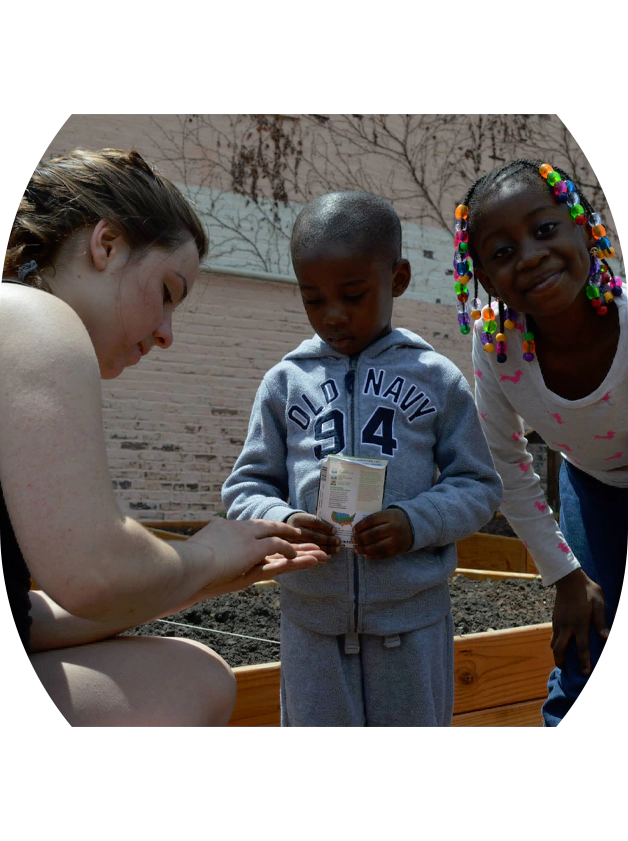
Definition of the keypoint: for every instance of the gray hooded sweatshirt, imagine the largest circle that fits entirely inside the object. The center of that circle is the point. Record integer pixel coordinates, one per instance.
(399, 400)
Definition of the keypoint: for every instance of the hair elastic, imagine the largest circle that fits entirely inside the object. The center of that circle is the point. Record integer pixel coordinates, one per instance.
(25, 269)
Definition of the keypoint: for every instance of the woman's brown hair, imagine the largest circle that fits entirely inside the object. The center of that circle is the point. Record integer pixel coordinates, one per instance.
(79, 189)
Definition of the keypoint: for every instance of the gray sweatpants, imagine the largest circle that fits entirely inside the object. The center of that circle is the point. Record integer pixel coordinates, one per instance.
(403, 680)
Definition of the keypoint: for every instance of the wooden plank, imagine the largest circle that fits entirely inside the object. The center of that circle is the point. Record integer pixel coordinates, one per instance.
(493, 669)
(166, 535)
(174, 524)
(473, 574)
(257, 701)
(489, 551)
(495, 575)
(501, 667)
(530, 565)
(524, 714)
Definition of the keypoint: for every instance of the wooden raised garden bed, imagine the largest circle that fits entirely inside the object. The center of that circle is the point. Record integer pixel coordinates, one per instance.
(500, 676)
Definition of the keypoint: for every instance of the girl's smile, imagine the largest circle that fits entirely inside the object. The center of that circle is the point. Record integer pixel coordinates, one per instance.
(531, 254)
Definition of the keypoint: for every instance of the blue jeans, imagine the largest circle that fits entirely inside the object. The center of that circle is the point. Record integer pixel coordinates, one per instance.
(594, 520)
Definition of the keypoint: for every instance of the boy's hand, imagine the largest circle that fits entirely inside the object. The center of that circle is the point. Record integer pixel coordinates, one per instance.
(383, 534)
(579, 601)
(315, 530)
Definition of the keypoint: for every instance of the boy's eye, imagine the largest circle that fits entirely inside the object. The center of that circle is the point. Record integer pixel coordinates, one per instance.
(313, 302)
(355, 297)
(504, 251)
(167, 295)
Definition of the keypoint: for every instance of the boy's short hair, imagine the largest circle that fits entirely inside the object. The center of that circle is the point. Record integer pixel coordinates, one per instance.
(355, 218)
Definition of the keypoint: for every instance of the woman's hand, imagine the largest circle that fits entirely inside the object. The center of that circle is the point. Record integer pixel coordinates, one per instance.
(238, 546)
(308, 555)
(578, 602)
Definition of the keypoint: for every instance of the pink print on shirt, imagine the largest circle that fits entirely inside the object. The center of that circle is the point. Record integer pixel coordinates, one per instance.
(483, 415)
(517, 436)
(563, 446)
(558, 418)
(540, 505)
(607, 396)
(477, 373)
(523, 466)
(563, 547)
(617, 455)
(609, 435)
(514, 379)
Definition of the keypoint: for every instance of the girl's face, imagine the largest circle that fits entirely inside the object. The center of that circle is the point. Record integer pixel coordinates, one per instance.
(130, 304)
(530, 252)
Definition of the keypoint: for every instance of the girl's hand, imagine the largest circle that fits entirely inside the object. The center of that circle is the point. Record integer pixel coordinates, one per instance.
(317, 530)
(578, 602)
(383, 534)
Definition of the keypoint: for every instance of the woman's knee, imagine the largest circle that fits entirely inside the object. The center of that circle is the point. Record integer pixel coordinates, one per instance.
(210, 684)
(139, 681)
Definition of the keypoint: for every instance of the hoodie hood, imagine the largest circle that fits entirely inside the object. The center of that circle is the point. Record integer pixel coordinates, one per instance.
(315, 348)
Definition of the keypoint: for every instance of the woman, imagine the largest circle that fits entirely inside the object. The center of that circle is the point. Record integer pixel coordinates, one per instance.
(102, 251)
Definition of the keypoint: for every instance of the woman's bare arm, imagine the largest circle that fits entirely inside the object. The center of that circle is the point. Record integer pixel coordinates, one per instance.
(90, 560)
(53, 627)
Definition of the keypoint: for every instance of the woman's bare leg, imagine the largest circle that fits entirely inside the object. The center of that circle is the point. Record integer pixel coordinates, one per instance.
(138, 681)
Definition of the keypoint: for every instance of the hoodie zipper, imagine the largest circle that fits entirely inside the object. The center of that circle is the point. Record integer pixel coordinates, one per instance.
(350, 387)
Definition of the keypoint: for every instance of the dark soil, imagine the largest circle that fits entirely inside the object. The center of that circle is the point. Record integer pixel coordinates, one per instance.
(243, 627)
(499, 525)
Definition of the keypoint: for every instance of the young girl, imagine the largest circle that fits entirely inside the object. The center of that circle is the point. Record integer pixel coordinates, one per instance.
(102, 251)
(552, 348)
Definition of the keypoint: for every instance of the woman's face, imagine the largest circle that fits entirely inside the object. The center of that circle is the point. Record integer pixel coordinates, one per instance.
(131, 302)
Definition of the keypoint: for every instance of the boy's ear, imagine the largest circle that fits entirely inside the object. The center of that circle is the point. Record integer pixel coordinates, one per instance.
(402, 274)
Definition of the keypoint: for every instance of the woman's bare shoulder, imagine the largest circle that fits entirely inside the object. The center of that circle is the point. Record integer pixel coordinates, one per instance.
(39, 329)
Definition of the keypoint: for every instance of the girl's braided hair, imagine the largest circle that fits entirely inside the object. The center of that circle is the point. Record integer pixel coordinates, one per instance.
(481, 189)
(525, 168)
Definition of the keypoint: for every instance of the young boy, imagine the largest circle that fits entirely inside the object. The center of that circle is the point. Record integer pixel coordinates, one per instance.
(366, 639)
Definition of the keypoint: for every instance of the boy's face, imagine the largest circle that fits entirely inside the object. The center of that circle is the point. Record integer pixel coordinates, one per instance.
(348, 298)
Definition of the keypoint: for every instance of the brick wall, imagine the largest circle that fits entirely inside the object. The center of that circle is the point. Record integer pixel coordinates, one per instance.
(175, 423)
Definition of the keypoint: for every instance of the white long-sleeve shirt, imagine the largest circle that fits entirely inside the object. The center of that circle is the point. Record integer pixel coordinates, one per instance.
(591, 433)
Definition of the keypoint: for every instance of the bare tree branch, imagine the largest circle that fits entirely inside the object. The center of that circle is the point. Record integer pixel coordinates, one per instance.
(422, 163)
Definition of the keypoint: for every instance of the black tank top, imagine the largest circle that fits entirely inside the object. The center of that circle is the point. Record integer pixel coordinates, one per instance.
(16, 575)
